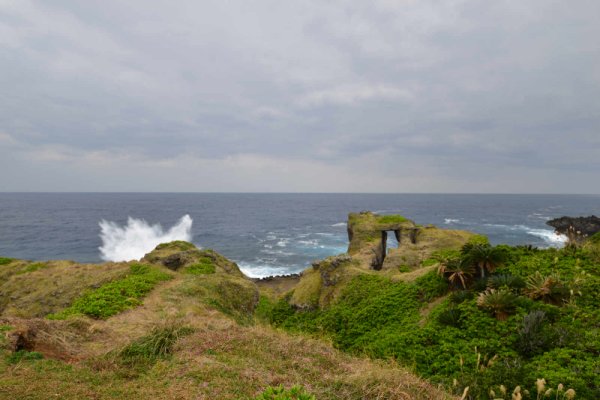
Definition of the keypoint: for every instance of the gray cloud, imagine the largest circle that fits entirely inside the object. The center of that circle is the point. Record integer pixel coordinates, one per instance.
(300, 96)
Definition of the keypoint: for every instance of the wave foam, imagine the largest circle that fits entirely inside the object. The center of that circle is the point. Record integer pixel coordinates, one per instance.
(449, 221)
(549, 236)
(339, 224)
(134, 240)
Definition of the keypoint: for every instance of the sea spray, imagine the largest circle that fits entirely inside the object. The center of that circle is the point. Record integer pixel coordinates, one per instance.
(133, 240)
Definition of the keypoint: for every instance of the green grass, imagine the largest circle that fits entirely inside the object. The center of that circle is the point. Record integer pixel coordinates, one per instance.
(32, 267)
(23, 355)
(204, 266)
(177, 244)
(391, 219)
(281, 393)
(116, 296)
(158, 344)
(5, 260)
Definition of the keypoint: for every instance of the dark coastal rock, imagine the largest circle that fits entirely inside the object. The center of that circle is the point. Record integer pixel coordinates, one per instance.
(585, 226)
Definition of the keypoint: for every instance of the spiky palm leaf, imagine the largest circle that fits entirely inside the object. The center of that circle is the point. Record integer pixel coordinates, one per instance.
(500, 302)
(457, 272)
(549, 288)
(483, 256)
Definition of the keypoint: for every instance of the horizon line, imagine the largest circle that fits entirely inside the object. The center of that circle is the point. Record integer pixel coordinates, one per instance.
(283, 192)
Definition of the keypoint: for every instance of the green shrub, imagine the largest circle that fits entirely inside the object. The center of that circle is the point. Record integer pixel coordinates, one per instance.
(515, 283)
(430, 286)
(280, 393)
(533, 336)
(461, 295)
(450, 317)
(116, 296)
(5, 260)
(23, 355)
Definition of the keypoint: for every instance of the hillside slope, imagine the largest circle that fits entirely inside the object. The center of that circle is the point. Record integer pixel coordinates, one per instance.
(179, 325)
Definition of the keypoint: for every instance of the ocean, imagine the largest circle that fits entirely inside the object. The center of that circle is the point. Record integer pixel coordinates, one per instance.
(266, 234)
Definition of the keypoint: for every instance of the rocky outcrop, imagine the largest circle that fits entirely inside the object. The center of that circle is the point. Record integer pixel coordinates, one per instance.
(318, 285)
(576, 226)
(179, 254)
(367, 234)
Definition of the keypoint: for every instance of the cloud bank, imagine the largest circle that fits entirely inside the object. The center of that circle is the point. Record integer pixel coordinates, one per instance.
(393, 96)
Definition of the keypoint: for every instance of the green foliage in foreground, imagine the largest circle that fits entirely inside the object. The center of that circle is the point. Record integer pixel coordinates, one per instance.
(511, 341)
(116, 296)
(280, 393)
(5, 260)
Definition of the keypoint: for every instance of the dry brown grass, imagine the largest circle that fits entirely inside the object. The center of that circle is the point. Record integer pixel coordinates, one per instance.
(53, 288)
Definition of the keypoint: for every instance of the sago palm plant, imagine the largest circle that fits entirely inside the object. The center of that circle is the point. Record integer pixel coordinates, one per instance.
(500, 302)
(550, 288)
(484, 257)
(457, 272)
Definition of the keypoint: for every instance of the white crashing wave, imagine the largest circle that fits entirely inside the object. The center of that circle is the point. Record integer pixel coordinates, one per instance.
(550, 237)
(449, 221)
(339, 224)
(134, 240)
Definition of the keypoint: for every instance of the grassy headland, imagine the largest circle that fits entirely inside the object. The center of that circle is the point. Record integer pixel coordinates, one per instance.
(186, 323)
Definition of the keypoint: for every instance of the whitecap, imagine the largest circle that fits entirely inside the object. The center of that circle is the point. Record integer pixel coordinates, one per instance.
(339, 224)
(449, 221)
(133, 240)
(552, 238)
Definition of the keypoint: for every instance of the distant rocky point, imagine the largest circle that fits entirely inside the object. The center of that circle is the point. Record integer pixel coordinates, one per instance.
(585, 226)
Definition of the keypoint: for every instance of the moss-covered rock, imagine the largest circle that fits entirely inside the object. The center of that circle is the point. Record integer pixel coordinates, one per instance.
(320, 284)
(180, 255)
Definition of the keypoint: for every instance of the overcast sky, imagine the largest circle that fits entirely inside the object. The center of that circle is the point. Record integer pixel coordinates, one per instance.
(319, 96)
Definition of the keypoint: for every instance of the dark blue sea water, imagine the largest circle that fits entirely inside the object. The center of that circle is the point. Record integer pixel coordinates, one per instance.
(265, 233)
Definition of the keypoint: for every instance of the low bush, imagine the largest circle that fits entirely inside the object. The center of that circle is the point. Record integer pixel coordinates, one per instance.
(533, 337)
(515, 283)
(450, 317)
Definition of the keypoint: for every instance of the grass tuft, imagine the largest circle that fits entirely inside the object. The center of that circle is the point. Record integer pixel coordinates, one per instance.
(158, 344)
